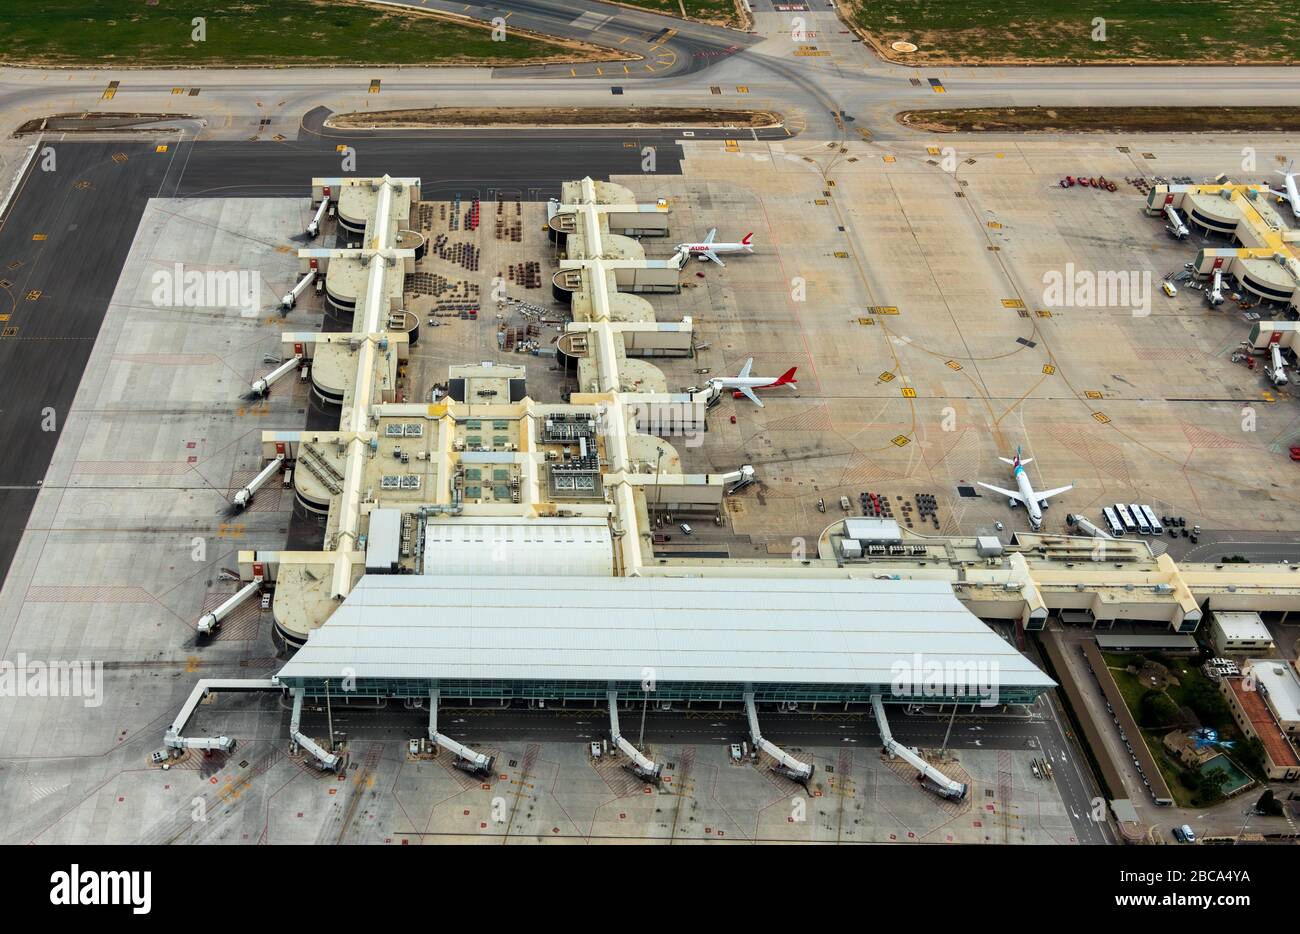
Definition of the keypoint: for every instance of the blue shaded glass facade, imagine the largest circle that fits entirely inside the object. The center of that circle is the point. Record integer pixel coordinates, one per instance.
(715, 692)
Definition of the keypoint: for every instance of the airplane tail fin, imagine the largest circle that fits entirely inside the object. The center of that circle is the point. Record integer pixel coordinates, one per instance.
(748, 242)
(787, 378)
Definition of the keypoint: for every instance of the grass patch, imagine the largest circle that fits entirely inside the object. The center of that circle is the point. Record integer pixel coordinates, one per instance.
(1190, 678)
(254, 32)
(1104, 119)
(1061, 31)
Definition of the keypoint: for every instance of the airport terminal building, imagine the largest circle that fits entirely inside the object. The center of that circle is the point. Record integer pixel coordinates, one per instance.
(689, 640)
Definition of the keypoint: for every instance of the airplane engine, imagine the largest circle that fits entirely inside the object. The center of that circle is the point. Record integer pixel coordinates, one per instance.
(1011, 502)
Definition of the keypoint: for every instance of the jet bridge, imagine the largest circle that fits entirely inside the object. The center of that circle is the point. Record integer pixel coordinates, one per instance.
(314, 227)
(173, 739)
(935, 779)
(641, 766)
(467, 759)
(324, 759)
(209, 622)
(788, 765)
(245, 496)
(1214, 294)
(1177, 229)
(1276, 368)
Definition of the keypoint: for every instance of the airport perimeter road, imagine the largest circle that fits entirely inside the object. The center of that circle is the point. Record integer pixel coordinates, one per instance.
(771, 71)
(806, 90)
(1264, 547)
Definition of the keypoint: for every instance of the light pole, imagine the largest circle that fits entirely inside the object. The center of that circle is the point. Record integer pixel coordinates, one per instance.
(645, 702)
(944, 748)
(329, 713)
(658, 461)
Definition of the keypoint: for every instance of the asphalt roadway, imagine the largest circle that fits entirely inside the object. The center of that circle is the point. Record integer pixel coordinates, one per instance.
(62, 246)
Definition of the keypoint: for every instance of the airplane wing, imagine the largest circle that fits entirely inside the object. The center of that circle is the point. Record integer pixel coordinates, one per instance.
(709, 254)
(1280, 194)
(1048, 494)
(1014, 494)
(712, 233)
(744, 370)
(749, 394)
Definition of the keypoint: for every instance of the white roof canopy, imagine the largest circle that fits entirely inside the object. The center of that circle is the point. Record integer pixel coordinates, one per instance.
(680, 629)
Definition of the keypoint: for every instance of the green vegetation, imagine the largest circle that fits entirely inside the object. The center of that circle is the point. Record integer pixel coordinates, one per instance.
(1207, 786)
(251, 32)
(1158, 711)
(1010, 31)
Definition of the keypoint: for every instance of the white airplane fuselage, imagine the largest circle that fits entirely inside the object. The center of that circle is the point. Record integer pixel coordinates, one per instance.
(707, 250)
(743, 384)
(1292, 193)
(1024, 493)
(1031, 501)
(698, 249)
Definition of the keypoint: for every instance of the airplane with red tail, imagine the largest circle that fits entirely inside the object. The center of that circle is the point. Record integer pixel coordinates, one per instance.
(709, 250)
(743, 384)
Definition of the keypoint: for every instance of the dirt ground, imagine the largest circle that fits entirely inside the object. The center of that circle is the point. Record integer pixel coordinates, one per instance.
(99, 122)
(552, 116)
(1103, 119)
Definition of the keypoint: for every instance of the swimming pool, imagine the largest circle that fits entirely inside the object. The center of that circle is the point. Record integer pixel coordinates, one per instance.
(1237, 779)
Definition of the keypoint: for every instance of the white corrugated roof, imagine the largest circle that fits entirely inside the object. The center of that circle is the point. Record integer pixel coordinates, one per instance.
(512, 545)
(683, 629)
